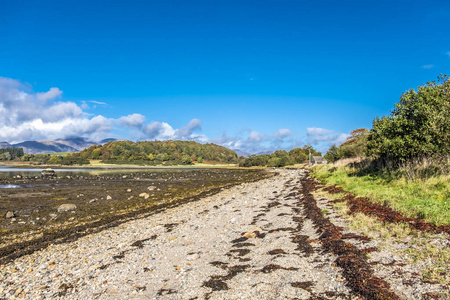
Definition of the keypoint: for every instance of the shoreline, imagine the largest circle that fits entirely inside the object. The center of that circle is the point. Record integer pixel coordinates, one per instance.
(62, 227)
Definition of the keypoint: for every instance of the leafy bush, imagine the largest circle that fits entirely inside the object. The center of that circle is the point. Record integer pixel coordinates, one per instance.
(419, 125)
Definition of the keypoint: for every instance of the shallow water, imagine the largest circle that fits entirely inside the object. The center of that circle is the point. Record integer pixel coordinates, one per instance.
(9, 186)
(9, 172)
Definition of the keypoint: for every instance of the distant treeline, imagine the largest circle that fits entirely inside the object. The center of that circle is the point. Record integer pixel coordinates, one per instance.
(158, 152)
(10, 153)
(280, 158)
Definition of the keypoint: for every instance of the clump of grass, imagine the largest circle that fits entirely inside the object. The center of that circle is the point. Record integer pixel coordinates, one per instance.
(427, 198)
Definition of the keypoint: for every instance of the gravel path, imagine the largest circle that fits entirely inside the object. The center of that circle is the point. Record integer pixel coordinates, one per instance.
(251, 241)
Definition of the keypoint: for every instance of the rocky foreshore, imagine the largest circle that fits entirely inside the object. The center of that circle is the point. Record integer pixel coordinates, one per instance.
(251, 241)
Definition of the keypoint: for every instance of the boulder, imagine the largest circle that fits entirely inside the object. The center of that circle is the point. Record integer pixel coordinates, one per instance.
(48, 173)
(151, 188)
(66, 207)
(108, 197)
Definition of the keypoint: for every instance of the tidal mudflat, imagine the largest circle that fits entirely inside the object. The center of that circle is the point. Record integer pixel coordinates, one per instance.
(41, 211)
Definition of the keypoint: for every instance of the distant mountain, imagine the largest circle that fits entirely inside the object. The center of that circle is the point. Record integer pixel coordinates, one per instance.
(241, 153)
(74, 144)
(102, 142)
(4, 144)
(34, 147)
(264, 152)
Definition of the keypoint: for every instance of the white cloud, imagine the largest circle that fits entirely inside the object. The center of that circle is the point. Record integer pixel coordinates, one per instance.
(53, 93)
(158, 131)
(322, 138)
(282, 133)
(27, 115)
(254, 142)
(448, 53)
(187, 131)
(427, 67)
(255, 136)
(133, 120)
(316, 131)
(98, 102)
(163, 131)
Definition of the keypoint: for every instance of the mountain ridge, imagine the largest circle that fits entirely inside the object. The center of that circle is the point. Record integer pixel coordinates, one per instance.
(73, 144)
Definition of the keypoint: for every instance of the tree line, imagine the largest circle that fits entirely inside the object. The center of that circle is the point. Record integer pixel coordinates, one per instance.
(10, 153)
(158, 152)
(280, 158)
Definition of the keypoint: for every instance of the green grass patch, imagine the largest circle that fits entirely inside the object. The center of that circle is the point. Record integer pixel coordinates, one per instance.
(428, 199)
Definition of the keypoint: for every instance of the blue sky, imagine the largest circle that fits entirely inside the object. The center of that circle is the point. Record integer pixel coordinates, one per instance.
(250, 75)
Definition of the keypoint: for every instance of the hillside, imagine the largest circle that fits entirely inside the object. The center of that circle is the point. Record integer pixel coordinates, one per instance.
(159, 152)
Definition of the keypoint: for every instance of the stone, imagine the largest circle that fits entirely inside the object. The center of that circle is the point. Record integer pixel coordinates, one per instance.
(192, 257)
(93, 200)
(252, 233)
(144, 195)
(129, 190)
(108, 197)
(151, 188)
(66, 207)
(9, 215)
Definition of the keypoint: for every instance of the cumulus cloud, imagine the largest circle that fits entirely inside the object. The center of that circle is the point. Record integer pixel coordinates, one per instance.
(323, 138)
(27, 115)
(158, 131)
(315, 131)
(282, 133)
(255, 136)
(163, 131)
(255, 142)
(53, 93)
(187, 131)
(133, 120)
